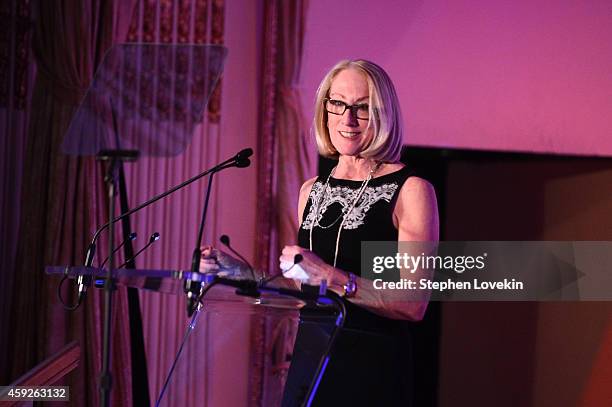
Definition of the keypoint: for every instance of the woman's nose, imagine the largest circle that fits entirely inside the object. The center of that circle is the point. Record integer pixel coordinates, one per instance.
(349, 118)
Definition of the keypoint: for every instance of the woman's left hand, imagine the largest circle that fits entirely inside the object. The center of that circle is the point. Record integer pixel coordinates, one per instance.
(312, 264)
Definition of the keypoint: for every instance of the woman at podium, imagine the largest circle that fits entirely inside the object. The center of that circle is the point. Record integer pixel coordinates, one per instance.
(368, 196)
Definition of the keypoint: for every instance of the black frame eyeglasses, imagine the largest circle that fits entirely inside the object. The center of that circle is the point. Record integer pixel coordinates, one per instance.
(357, 110)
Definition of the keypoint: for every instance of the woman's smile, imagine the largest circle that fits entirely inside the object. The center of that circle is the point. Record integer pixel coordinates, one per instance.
(349, 134)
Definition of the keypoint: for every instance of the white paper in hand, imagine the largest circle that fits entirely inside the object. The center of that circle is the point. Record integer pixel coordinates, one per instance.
(294, 271)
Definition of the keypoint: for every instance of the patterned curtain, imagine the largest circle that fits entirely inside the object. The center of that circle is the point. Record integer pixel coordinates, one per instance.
(16, 76)
(62, 200)
(181, 22)
(286, 158)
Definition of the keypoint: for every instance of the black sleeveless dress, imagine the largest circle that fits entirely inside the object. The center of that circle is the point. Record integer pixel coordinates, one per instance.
(371, 363)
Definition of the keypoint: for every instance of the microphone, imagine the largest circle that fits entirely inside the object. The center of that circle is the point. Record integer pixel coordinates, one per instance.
(296, 260)
(131, 236)
(243, 154)
(99, 283)
(240, 160)
(243, 163)
(193, 288)
(226, 242)
(152, 239)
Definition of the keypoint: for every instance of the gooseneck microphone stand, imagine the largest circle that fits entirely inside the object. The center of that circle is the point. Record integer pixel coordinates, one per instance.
(193, 286)
(239, 161)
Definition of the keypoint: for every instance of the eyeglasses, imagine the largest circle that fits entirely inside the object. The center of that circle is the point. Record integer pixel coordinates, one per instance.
(333, 106)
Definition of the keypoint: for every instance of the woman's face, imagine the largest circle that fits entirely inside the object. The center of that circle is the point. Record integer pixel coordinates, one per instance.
(349, 135)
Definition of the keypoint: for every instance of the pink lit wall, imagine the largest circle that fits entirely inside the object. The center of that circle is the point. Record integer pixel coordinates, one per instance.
(514, 75)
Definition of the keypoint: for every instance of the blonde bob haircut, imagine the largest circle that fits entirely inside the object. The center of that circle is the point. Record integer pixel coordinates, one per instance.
(385, 114)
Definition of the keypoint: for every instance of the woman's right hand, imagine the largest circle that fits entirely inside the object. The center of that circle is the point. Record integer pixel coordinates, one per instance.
(216, 261)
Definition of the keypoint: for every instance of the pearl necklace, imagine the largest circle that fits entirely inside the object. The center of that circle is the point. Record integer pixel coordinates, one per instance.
(344, 214)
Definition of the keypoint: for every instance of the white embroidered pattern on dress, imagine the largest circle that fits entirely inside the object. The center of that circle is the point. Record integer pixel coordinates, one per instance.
(345, 197)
